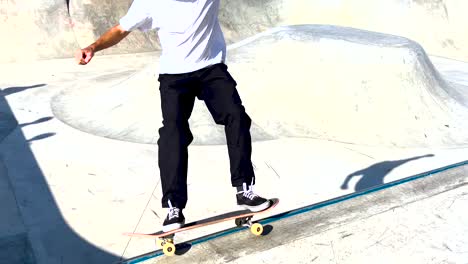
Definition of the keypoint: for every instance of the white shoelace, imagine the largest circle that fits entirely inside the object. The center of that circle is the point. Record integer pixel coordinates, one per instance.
(173, 211)
(248, 193)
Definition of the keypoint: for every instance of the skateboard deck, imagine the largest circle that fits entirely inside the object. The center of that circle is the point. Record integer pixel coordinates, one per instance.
(241, 217)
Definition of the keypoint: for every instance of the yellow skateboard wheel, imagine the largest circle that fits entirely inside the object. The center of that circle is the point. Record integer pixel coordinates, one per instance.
(256, 229)
(169, 249)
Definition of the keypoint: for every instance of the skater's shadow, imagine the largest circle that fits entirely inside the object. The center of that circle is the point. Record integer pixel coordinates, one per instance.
(38, 121)
(44, 235)
(12, 90)
(375, 174)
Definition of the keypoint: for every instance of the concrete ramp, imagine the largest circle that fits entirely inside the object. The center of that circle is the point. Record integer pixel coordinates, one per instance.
(347, 85)
(326, 82)
(345, 229)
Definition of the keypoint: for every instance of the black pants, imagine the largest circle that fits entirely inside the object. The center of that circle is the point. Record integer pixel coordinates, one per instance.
(217, 88)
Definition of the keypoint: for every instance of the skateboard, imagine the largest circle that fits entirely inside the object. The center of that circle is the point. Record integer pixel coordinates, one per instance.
(165, 240)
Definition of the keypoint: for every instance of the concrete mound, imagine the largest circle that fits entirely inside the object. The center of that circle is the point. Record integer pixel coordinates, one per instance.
(347, 85)
(131, 110)
(325, 82)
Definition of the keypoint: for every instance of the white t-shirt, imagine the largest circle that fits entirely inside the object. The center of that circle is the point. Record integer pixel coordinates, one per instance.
(189, 31)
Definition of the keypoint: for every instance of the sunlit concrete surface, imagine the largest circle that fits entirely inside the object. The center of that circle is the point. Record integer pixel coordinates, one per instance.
(371, 225)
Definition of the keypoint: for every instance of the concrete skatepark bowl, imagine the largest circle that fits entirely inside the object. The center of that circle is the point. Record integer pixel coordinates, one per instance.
(349, 100)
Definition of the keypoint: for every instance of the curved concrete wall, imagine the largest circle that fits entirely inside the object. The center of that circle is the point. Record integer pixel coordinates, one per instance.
(33, 30)
(44, 29)
(48, 29)
(438, 25)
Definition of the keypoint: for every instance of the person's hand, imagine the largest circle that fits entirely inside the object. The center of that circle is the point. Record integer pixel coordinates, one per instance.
(84, 56)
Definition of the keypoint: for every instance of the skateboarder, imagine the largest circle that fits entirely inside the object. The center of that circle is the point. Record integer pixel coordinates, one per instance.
(192, 64)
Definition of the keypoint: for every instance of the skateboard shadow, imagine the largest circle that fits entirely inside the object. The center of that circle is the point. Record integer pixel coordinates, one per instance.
(374, 175)
(267, 229)
(183, 248)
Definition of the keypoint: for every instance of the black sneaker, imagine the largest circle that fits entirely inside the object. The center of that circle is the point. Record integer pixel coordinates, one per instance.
(175, 219)
(249, 200)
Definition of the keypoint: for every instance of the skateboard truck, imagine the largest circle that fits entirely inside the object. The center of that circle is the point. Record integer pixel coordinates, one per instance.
(166, 243)
(255, 228)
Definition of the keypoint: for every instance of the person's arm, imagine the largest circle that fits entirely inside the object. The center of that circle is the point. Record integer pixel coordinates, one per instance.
(107, 40)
